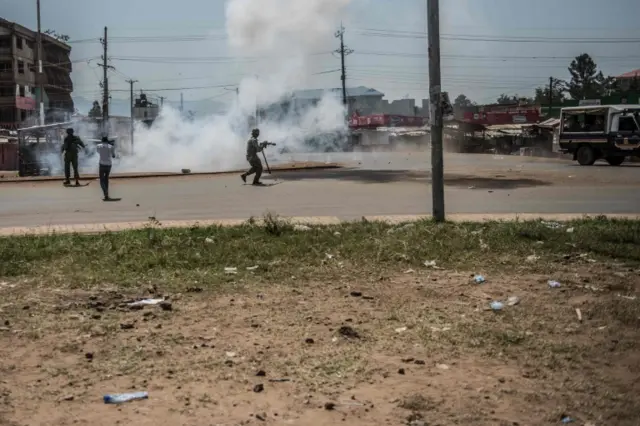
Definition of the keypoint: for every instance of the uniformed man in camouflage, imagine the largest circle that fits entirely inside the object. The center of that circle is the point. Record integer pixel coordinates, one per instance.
(253, 148)
(70, 148)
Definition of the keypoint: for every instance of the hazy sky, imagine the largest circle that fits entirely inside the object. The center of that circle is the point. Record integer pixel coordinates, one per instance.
(500, 46)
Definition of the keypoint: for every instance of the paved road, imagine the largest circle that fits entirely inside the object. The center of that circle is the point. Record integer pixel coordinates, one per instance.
(378, 184)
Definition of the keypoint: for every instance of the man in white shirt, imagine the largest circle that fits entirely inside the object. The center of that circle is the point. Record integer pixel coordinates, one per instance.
(106, 152)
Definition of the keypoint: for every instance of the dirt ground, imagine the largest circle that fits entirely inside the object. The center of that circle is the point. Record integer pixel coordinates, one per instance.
(418, 348)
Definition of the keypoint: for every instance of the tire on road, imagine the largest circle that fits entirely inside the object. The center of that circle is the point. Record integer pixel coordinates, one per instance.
(615, 161)
(586, 155)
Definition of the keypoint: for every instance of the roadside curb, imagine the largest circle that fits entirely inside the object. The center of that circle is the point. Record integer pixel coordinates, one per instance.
(308, 220)
(284, 168)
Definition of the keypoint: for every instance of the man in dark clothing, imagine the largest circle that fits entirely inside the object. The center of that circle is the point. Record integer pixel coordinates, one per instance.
(70, 150)
(253, 148)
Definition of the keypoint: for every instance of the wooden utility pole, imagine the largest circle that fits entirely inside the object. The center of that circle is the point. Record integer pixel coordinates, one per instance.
(132, 104)
(181, 103)
(435, 98)
(161, 101)
(39, 77)
(343, 51)
(105, 85)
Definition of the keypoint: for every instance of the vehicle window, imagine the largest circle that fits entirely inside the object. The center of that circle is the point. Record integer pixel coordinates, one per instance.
(594, 123)
(574, 123)
(627, 124)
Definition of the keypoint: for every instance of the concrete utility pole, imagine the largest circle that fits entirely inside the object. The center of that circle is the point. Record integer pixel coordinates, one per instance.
(343, 51)
(132, 104)
(435, 98)
(550, 96)
(105, 86)
(39, 77)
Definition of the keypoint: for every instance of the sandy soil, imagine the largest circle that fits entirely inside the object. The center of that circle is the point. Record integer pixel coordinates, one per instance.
(418, 348)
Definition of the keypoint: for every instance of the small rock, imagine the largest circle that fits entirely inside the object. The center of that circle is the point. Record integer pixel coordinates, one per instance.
(261, 373)
(262, 417)
(401, 371)
(258, 388)
(407, 360)
(419, 362)
(127, 326)
(89, 356)
(166, 306)
(68, 398)
(442, 366)
(309, 341)
(347, 331)
(329, 406)
(301, 228)
(356, 294)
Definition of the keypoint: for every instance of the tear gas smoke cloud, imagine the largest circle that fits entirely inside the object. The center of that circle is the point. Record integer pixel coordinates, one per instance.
(266, 28)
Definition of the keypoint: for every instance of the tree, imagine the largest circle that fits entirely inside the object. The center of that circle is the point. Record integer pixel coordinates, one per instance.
(96, 110)
(505, 99)
(462, 102)
(586, 81)
(557, 90)
(57, 36)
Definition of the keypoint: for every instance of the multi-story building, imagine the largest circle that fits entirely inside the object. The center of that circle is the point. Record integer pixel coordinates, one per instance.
(18, 84)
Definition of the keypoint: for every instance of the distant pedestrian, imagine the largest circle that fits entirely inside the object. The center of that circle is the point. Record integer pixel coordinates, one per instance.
(106, 152)
(70, 148)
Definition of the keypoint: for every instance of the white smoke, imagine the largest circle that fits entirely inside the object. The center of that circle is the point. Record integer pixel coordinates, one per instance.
(285, 34)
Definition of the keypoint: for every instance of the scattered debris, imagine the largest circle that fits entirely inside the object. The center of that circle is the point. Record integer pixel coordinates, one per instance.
(627, 297)
(554, 284)
(567, 419)
(301, 228)
(67, 398)
(401, 329)
(230, 354)
(496, 306)
(579, 314)
(336, 234)
(479, 279)
(553, 225)
(209, 240)
(284, 380)
(442, 366)
(146, 302)
(431, 264)
(570, 230)
(127, 326)
(252, 268)
(409, 271)
(329, 256)
(513, 300)
(533, 258)
(230, 271)
(120, 398)
(356, 294)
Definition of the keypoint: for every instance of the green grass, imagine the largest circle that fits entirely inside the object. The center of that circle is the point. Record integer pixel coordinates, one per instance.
(198, 256)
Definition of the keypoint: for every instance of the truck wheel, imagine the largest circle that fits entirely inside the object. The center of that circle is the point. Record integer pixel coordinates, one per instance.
(615, 161)
(586, 156)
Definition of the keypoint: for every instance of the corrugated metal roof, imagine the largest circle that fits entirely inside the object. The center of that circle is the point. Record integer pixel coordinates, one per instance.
(351, 92)
(630, 74)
